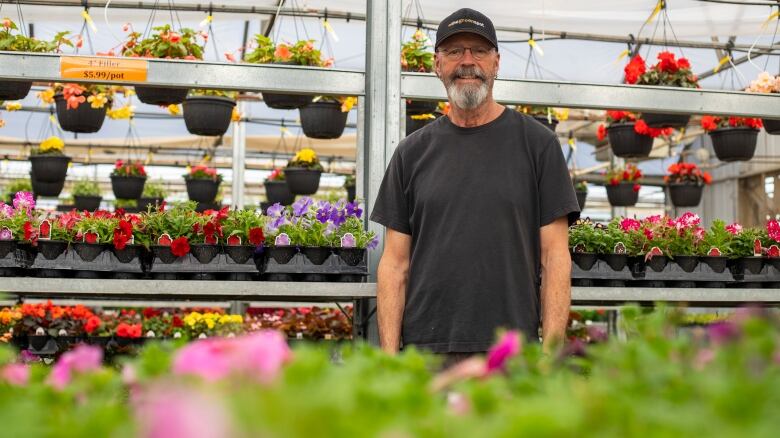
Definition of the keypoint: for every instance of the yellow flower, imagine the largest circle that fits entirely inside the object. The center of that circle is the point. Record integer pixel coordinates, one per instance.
(306, 155)
(97, 100)
(235, 116)
(125, 112)
(2, 123)
(52, 144)
(210, 323)
(174, 110)
(561, 113)
(423, 117)
(13, 106)
(348, 103)
(47, 95)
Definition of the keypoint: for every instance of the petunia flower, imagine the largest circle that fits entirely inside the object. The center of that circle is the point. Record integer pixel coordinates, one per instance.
(506, 348)
(82, 359)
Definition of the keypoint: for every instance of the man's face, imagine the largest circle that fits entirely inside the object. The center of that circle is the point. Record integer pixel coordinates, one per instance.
(467, 74)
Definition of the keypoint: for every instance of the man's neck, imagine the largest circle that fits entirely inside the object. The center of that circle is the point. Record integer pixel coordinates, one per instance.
(481, 115)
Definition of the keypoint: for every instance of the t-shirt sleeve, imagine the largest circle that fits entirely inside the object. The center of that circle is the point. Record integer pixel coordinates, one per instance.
(556, 192)
(391, 208)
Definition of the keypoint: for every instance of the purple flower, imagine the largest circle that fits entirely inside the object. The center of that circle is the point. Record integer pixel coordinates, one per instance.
(6, 210)
(373, 243)
(301, 206)
(338, 217)
(329, 229)
(275, 210)
(722, 332)
(506, 348)
(353, 209)
(323, 214)
(282, 240)
(348, 241)
(24, 201)
(5, 234)
(278, 222)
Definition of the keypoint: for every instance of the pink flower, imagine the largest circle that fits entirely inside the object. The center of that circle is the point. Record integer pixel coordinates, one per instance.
(773, 229)
(629, 224)
(210, 359)
(648, 233)
(698, 234)
(6, 210)
(458, 403)
(177, 411)
(687, 220)
(506, 348)
(734, 228)
(17, 374)
(6, 234)
(81, 359)
(24, 201)
(653, 219)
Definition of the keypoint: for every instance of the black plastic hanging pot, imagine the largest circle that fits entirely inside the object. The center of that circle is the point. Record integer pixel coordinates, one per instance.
(84, 119)
(417, 107)
(582, 196)
(686, 263)
(627, 143)
(622, 194)
(51, 249)
(550, 123)
(208, 115)
(204, 253)
(161, 96)
(316, 254)
(285, 101)
(128, 253)
(239, 253)
(89, 203)
(88, 251)
(734, 144)
(49, 168)
(282, 254)
(685, 194)
(46, 189)
(202, 190)
(661, 120)
(278, 191)
(771, 126)
(351, 193)
(127, 187)
(14, 90)
(302, 181)
(323, 120)
(351, 256)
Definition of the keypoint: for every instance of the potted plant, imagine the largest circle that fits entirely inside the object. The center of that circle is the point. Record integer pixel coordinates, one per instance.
(128, 179)
(745, 251)
(581, 190)
(616, 244)
(128, 205)
(49, 163)
(303, 172)
(12, 41)
(667, 72)
(733, 138)
(128, 241)
(771, 243)
(202, 183)
(416, 56)
(153, 195)
(585, 243)
(54, 234)
(325, 116)
(629, 137)
(623, 185)
(93, 234)
(169, 231)
(278, 244)
(351, 240)
(81, 108)
(766, 83)
(18, 222)
(685, 182)
(276, 188)
(547, 116)
(417, 121)
(164, 43)
(243, 231)
(208, 112)
(349, 186)
(86, 195)
(715, 248)
(683, 240)
(15, 186)
(308, 231)
(206, 235)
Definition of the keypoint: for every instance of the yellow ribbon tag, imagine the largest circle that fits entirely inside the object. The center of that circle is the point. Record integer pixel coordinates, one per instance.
(206, 21)
(330, 30)
(536, 47)
(149, 156)
(680, 135)
(206, 158)
(655, 12)
(189, 168)
(52, 119)
(622, 55)
(773, 16)
(573, 144)
(88, 19)
(723, 61)
(285, 131)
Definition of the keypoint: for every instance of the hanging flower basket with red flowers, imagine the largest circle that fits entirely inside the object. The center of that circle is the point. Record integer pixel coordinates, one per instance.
(685, 182)
(202, 183)
(667, 72)
(767, 83)
(733, 138)
(623, 185)
(629, 137)
(128, 179)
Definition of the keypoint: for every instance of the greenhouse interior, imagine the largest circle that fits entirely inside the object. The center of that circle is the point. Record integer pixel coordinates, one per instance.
(245, 218)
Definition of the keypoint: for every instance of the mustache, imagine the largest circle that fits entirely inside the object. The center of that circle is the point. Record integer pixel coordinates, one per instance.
(468, 71)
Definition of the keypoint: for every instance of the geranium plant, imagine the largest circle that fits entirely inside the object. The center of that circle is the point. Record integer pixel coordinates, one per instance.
(712, 123)
(305, 158)
(624, 174)
(97, 96)
(276, 175)
(640, 127)
(202, 171)
(686, 173)
(165, 43)
(416, 55)
(128, 168)
(668, 71)
(12, 41)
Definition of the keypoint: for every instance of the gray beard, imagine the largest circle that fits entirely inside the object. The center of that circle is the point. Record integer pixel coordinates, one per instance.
(467, 96)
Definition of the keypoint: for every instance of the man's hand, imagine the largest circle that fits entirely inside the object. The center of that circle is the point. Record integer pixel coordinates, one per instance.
(392, 277)
(556, 282)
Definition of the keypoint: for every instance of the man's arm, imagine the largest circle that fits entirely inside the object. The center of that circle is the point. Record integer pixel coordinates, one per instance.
(392, 276)
(556, 281)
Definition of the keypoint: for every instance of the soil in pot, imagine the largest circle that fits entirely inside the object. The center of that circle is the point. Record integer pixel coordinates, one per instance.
(662, 120)
(734, 144)
(82, 120)
(6, 247)
(686, 263)
(14, 90)
(584, 260)
(323, 120)
(208, 115)
(685, 195)
(282, 254)
(626, 143)
(202, 190)
(161, 96)
(89, 203)
(716, 263)
(302, 181)
(771, 126)
(316, 254)
(581, 198)
(164, 253)
(88, 251)
(417, 107)
(351, 256)
(127, 187)
(239, 253)
(51, 249)
(278, 191)
(49, 168)
(205, 253)
(622, 194)
(615, 261)
(128, 253)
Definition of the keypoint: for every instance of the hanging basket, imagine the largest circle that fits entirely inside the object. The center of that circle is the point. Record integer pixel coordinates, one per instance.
(161, 96)
(622, 195)
(685, 195)
(285, 101)
(46, 189)
(351, 193)
(661, 120)
(415, 124)
(323, 120)
(771, 126)
(302, 181)
(208, 115)
(626, 143)
(89, 203)
(14, 90)
(127, 187)
(417, 107)
(551, 123)
(49, 168)
(83, 120)
(278, 191)
(734, 144)
(581, 197)
(202, 191)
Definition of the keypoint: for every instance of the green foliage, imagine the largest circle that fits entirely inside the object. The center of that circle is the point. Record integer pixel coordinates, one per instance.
(263, 53)
(716, 237)
(85, 187)
(415, 54)
(216, 93)
(742, 243)
(12, 41)
(586, 236)
(353, 226)
(164, 43)
(17, 185)
(104, 227)
(126, 203)
(239, 222)
(581, 186)
(176, 221)
(154, 189)
(349, 181)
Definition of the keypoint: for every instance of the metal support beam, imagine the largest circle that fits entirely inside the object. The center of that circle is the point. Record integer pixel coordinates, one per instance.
(239, 158)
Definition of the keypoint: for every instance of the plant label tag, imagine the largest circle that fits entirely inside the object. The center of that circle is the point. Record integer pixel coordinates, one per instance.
(579, 248)
(44, 230)
(164, 240)
(620, 248)
(757, 248)
(773, 251)
(6, 234)
(103, 68)
(282, 240)
(348, 241)
(234, 240)
(91, 237)
(210, 240)
(131, 241)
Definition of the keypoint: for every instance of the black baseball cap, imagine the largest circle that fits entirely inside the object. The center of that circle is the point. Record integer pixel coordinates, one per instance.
(466, 20)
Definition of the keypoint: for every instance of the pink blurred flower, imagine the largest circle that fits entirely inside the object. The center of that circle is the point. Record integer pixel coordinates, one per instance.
(81, 359)
(24, 201)
(773, 229)
(648, 233)
(698, 234)
(506, 348)
(6, 210)
(17, 374)
(703, 357)
(723, 332)
(734, 228)
(687, 220)
(167, 412)
(458, 403)
(629, 224)
(653, 219)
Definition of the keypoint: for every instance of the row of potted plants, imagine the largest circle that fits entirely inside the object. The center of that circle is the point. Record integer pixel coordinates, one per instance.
(657, 240)
(684, 182)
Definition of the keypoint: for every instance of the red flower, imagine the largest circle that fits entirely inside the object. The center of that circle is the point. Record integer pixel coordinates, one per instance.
(149, 312)
(707, 178)
(710, 123)
(124, 330)
(177, 322)
(209, 229)
(634, 69)
(637, 187)
(667, 62)
(180, 246)
(120, 240)
(683, 63)
(601, 133)
(256, 236)
(92, 324)
(28, 231)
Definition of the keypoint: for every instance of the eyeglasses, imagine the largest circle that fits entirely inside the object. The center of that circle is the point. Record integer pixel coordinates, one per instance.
(457, 53)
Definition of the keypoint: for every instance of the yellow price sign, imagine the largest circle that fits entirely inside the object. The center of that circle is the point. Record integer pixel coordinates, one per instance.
(103, 68)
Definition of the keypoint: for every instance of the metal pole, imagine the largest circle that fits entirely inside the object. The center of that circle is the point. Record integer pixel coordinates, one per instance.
(239, 158)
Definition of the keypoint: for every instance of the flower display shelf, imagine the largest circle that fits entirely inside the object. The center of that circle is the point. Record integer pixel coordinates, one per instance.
(69, 264)
(301, 268)
(222, 267)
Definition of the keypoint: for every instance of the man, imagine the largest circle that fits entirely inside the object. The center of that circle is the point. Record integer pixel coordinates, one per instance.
(476, 207)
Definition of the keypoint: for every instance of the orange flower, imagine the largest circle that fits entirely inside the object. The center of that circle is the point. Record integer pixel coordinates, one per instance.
(282, 52)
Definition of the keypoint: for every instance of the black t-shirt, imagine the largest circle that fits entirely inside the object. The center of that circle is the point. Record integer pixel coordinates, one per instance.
(473, 200)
